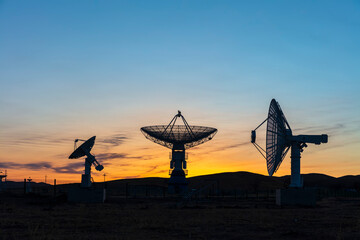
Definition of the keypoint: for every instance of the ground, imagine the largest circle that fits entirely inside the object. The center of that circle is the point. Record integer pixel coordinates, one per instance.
(39, 218)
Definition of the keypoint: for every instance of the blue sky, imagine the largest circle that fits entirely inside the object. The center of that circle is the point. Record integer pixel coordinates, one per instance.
(74, 68)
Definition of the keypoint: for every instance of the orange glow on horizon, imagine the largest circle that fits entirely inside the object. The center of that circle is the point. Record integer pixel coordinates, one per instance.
(127, 154)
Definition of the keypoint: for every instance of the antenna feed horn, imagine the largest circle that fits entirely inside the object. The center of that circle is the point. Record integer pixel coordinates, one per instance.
(253, 136)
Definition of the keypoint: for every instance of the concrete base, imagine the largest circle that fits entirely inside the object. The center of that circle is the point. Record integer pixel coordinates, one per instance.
(296, 196)
(2, 186)
(177, 182)
(177, 188)
(85, 180)
(86, 195)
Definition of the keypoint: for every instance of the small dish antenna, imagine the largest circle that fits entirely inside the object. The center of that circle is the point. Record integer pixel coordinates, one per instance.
(84, 150)
(3, 175)
(279, 139)
(28, 188)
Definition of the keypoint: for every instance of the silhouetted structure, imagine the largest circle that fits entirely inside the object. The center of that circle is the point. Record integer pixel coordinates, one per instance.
(178, 138)
(28, 184)
(279, 139)
(84, 150)
(86, 193)
(3, 175)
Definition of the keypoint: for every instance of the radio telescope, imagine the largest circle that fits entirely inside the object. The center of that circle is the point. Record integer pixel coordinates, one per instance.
(279, 139)
(84, 150)
(3, 175)
(178, 138)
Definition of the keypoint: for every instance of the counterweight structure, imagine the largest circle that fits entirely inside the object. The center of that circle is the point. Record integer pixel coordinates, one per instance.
(178, 138)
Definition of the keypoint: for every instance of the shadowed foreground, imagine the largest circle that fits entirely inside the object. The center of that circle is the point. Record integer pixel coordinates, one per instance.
(34, 218)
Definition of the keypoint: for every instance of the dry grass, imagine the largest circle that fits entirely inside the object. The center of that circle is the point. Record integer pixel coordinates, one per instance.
(162, 219)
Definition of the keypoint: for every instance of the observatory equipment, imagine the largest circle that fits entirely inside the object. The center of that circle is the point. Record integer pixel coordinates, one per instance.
(84, 150)
(28, 188)
(86, 193)
(279, 139)
(3, 175)
(178, 138)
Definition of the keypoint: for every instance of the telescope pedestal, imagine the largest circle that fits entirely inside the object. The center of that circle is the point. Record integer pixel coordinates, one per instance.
(177, 182)
(86, 178)
(79, 194)
(2, 183)
(296, 180)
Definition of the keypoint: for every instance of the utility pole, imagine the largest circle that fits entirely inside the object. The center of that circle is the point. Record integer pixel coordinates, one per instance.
(54, 188)
(104, 181)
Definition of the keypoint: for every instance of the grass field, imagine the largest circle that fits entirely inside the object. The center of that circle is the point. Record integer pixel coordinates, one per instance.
(39, 218)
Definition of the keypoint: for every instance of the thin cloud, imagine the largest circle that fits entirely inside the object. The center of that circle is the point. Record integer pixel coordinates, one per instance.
(114, 140)
(140, 175)
(33, 139)
(31, 166)
(68, 168)
(322, 129)
(162, 171)
(75, 167)
(152, 169)
(226, 147)
(130, 177)
(110, 156)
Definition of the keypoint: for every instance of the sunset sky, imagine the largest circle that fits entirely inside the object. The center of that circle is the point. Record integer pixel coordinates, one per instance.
(75, 69)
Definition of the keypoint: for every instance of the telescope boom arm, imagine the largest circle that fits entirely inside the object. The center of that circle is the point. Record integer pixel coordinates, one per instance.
(315, 139)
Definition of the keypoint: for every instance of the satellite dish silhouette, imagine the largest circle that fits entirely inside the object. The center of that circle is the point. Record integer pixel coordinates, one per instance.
(178, 138)
(3, 175)
(279, 139)
(84, 150)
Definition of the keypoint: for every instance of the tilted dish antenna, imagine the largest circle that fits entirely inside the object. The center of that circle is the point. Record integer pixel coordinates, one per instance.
(3, 174)
(279, 139)
(178, 138)
(84, 150)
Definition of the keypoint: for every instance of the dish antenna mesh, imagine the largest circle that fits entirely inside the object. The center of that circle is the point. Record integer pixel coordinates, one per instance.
(174, 135)
(276, 147)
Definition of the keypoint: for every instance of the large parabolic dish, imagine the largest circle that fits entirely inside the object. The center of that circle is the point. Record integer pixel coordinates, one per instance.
(189, 136)
(279, 139)
(276, 144)
(178, 138)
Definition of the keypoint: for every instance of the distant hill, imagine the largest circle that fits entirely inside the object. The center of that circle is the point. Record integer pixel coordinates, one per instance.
(228, 181)
(238, 180)
(12, 184)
